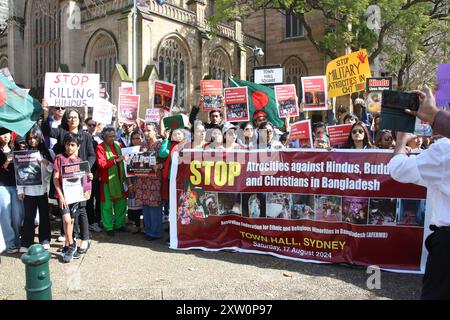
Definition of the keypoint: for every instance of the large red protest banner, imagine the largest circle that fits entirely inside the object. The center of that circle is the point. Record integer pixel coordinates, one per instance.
(337, 207)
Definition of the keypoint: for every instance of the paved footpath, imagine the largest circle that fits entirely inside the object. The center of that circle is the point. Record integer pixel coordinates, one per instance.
(128, 267)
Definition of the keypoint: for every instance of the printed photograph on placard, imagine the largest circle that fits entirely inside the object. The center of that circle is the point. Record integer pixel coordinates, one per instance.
(27, 167)
(210, 202)
(411, 212)
(286, 99)
(328, 208)
(355, 210)
(278, 205)
(211, 90)
(382, 211)
(314, 93)
(230, 203)
(302, 206)
(236, 104)
(254, 205)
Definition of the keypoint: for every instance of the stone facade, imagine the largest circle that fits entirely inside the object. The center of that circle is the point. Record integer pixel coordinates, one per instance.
(94, 36)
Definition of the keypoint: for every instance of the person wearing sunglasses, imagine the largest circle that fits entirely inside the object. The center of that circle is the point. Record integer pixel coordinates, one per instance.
(358, 137)
(53, 121)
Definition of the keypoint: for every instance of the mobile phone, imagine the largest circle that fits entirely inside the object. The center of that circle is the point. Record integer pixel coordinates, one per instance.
(399, 100)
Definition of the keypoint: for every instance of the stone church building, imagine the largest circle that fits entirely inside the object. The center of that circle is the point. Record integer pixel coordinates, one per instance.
(174, 44)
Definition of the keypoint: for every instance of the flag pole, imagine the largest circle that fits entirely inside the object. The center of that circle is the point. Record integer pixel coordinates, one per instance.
(134, 46)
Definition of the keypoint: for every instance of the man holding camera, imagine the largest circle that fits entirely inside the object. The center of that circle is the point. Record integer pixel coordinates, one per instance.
(430, 169)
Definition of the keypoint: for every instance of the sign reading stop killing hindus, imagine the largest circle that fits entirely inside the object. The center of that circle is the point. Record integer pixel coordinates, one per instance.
(348, 74)
(71, 89)
(321, 206)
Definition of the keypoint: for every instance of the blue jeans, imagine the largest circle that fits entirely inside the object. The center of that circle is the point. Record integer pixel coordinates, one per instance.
(153, 225)
(11, 216)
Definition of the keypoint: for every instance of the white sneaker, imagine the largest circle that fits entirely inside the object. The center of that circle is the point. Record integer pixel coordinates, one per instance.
(46, 245)
(23, 250)
(12, 250)
(61, 239)
(84, 245)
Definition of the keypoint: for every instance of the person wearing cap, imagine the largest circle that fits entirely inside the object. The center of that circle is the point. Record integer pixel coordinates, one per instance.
(230, 136)
(259, 117)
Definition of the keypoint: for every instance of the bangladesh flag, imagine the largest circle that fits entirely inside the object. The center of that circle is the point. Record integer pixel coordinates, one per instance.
(260, 98)
(18, 110)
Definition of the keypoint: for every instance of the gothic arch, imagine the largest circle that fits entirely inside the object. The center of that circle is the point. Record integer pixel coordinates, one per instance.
(294, 70)
(219, 64)
(93, 40)
(173, 61)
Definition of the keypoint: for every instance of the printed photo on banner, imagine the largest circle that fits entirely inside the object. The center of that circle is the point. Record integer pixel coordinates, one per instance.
(254, 205)
(303, 206)
(230, 203)
(128, 108)
(75, 182)
(374, 89)
(382, 211)
(338, 134)
(287, 102)
(194, 206)
(141, 164)
(443, 86)
(300, 135)
(355, 210)
(71, 89)
(314, 92)
(236, 104)
(278, 205)
(103, 111)
(27, 167)
(411, 212)
(328, 208)
(164, 95)
(348, 74)
(211, 90)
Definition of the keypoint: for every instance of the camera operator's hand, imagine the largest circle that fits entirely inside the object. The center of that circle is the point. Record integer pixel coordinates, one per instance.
(427, 109)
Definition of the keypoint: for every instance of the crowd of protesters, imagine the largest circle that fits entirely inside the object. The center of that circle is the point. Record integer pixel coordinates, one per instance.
(117, 203)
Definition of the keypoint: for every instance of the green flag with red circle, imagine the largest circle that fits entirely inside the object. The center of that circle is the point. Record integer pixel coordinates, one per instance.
(260, 98)
(18, 110)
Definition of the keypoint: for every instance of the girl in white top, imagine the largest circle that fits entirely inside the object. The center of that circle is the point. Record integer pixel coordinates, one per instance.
(35, 197)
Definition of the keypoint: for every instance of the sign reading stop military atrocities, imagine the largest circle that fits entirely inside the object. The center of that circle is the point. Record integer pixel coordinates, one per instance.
(314, 93)
(348, 74)
(71, 89)
(287, 102)
(334, 207)
(300, 135)
(338, 134)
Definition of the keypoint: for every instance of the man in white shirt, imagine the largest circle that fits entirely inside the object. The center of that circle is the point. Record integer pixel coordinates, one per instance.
(430, 169)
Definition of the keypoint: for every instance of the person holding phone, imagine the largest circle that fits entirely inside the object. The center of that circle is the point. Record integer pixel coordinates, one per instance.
(430, 169)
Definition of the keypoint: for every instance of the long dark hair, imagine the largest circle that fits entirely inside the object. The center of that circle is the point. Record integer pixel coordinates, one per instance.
(65, 120)
(350, 144)
(36, 133)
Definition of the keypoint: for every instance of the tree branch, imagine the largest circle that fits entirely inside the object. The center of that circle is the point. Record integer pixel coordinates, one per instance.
(311, 38)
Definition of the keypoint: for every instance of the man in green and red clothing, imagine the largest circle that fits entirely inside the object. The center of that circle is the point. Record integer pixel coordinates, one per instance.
(112, 178)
